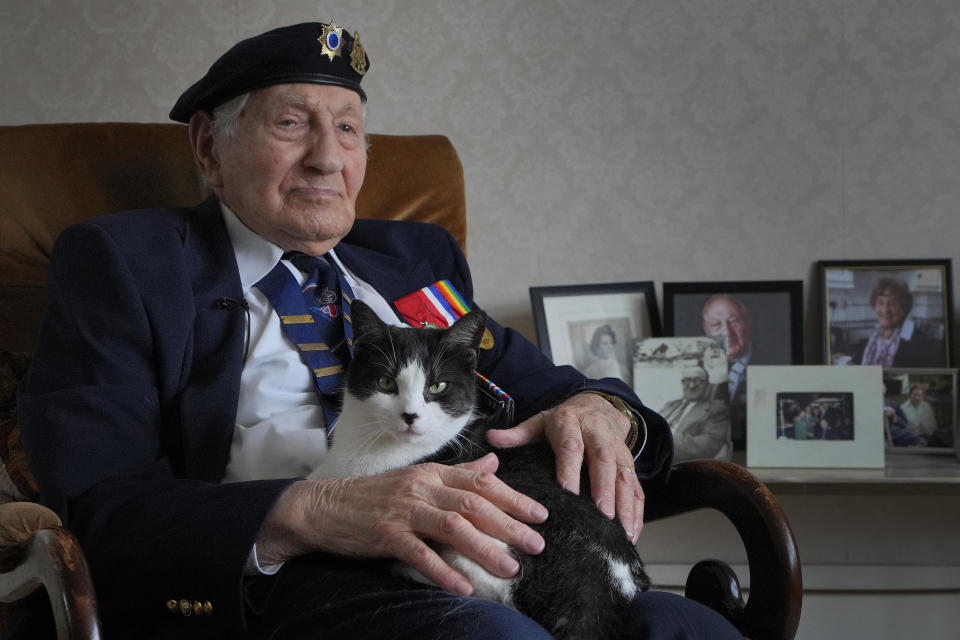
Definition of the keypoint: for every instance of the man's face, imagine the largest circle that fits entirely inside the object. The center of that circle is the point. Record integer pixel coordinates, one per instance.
(694, 384)
(724, 319)
(916, 397)
(294, 168)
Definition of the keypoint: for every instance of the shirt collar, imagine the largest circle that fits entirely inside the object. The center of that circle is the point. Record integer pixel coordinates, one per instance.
(746, 354)
(255, 255)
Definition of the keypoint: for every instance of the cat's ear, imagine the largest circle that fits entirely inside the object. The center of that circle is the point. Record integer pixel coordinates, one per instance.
(468, 330)
(367, 326)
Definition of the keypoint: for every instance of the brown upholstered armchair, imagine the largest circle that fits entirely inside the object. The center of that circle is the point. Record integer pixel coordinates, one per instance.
(52, 175)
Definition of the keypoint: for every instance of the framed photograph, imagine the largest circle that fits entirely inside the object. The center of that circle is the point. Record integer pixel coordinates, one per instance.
(892, 313)
(920, 410)
(760, 322)
(815, 416)
(685, 380)
(592, 327)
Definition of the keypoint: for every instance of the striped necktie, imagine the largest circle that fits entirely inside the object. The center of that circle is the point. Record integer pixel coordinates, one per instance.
(316, 318)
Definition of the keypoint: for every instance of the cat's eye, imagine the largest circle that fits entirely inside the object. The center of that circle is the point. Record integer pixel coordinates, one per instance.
(438, 387)
(387, 384)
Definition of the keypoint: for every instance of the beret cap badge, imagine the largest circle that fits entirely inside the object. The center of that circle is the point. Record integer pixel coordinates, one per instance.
(332, 39)
(358, 55)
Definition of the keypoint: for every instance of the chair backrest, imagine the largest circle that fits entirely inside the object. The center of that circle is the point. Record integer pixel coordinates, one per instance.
(52, 175)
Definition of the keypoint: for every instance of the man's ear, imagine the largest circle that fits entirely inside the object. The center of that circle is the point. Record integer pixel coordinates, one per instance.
(201, 141)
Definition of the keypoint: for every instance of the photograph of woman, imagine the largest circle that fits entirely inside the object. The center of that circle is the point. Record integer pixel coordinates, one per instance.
(897, 341)
(891, 317)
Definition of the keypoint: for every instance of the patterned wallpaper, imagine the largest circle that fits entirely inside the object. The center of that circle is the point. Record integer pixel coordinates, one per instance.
(603, 141)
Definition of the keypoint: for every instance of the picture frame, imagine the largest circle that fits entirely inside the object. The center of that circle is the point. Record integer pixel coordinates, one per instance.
(761, 321)
(815, 416)
(862, 300)
(570, 319)
(685, 380)
(920, 410)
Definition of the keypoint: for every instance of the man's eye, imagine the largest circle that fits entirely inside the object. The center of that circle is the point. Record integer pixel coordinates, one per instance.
(438, 387)
(387, 384)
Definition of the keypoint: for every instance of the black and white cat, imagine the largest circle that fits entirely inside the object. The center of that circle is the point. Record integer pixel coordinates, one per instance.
(411, 396)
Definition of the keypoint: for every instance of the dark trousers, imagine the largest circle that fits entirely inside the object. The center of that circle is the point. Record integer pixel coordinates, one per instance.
(323, 597)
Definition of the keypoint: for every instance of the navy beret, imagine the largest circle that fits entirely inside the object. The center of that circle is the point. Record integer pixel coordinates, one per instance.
(308, 52)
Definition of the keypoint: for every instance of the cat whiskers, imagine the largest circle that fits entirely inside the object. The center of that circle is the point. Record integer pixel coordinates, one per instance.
(439, 356)
(389, 358)
(468, 441)
(372, 437)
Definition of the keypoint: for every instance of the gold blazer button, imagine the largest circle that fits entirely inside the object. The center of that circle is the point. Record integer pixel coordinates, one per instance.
(186, 608)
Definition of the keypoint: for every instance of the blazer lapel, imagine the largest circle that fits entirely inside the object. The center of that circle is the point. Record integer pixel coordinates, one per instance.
(208, 401)
(391, 276)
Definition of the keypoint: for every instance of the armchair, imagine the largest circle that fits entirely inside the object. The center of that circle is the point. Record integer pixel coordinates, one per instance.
(53, 175)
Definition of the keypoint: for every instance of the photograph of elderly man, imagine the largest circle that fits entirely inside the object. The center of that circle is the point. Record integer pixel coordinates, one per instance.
(759, 323)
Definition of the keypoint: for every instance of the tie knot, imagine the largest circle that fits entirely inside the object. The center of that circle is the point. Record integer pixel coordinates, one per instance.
(305, 263)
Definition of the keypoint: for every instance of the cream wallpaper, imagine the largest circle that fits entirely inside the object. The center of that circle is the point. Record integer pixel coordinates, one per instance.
(603, 141)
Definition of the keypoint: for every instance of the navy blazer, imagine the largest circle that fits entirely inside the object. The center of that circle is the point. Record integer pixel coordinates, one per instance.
(129, 408)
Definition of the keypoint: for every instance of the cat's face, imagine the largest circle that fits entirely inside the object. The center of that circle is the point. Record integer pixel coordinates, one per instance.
(414, 386)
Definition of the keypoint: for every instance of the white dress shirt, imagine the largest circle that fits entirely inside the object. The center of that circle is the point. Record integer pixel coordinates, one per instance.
(280, 430)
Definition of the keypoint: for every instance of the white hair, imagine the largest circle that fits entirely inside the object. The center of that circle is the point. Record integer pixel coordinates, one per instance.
(227, 115)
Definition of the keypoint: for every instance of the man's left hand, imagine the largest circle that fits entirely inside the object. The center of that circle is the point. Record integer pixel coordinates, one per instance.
(587, 427)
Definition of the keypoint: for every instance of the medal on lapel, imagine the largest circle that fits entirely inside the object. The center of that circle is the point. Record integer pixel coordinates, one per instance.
(437, 306)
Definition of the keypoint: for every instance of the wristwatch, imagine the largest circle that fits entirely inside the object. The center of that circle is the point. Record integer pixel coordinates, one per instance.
(633, 440)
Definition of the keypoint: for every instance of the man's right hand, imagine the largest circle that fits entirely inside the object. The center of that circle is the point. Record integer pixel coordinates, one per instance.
(392, 514)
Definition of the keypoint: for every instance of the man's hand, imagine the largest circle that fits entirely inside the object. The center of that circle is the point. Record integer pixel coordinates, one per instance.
(390, 515)
(587, 426)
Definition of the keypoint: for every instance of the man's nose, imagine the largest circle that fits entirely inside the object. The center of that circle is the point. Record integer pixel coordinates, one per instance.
(323, 152)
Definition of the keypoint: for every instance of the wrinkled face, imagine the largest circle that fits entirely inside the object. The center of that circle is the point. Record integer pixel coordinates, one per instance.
(724, 319)
(889, 311)
(694, 384)
(294, 168)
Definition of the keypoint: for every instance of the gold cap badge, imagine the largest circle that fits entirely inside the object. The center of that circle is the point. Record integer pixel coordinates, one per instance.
(331, 37)
(358, 55)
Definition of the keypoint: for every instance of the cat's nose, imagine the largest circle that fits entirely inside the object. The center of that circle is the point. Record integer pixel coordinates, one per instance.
(409, 418)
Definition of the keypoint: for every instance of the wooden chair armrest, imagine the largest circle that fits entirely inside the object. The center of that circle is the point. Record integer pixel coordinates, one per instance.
(776, 585)
(52, 557)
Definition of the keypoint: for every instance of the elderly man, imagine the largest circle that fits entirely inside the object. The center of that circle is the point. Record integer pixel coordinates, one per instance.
(727, 317)
(700, 424)
(169, 418)
(919, 413)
